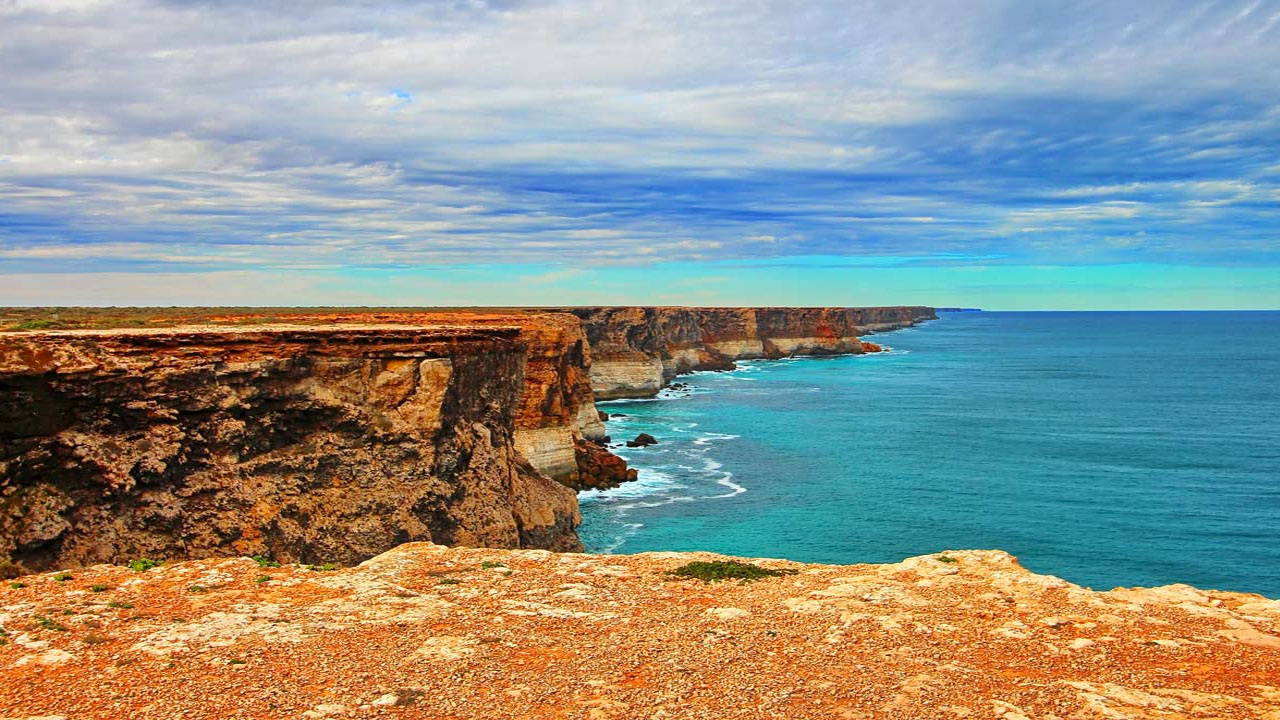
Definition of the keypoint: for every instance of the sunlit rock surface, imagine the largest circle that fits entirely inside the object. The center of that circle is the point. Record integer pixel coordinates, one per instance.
(425, 631)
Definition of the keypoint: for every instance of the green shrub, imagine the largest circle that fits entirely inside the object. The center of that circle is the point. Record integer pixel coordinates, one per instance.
(450, 581)
(198, 589)
(326, 567)
(17, 585)
(947, 559)
(144, 564)
(48, 624)
(262, 578)
(62, 576)
(37, 325)
(490, 564)
(726, 570)
(121, 605)
(98, 588)
(265, 562)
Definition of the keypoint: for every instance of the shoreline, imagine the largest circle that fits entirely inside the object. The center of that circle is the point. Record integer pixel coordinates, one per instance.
(594, 496)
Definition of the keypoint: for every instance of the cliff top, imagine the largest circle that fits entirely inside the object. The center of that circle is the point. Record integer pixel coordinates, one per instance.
(67, 318)
(425, 631)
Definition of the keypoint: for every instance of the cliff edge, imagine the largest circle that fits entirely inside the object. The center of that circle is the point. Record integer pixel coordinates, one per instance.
(299, 443)
(425, 631)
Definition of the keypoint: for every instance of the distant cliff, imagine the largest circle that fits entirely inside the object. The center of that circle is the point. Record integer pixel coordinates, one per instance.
(637, 350)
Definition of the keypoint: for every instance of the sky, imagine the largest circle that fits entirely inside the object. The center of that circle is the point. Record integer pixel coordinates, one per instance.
(998, 154)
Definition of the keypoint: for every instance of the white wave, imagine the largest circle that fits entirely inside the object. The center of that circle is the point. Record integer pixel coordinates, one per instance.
(629, 530)
(727, 480)
(709, 438)
(648, 482)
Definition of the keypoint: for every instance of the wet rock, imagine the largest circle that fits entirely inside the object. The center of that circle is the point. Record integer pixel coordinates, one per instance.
(642, 440)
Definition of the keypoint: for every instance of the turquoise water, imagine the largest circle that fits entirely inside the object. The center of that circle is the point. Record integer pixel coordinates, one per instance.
(1106, 448)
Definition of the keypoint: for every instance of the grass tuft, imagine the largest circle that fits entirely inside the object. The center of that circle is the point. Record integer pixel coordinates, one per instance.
(947, 559)
(48, 624)
(726, 570)
(144, 564)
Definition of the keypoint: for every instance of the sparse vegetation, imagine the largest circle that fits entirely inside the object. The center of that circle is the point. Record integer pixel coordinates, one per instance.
(63, 576)
(98, 588)
(236, 661)
(16, 585)
(262, 578)
(491, 564)
(36, 325)
(10, 570)
(144, 564)
(726, 570)
(120, 605)
(265, 562)
(326, 567)
(48, 624)
(947, 559)
(198, 589)
(450, 581)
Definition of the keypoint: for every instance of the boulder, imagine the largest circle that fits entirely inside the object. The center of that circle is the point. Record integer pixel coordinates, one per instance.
(642, 440)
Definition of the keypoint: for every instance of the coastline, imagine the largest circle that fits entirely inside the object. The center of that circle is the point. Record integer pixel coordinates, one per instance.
(653, 483)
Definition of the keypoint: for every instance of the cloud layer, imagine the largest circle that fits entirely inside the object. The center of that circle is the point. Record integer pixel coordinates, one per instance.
(236, 136)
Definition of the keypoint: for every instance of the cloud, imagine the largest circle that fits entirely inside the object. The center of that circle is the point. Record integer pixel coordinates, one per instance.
(186, 137)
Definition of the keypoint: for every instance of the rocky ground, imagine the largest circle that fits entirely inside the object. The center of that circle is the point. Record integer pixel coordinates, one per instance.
(425, 631)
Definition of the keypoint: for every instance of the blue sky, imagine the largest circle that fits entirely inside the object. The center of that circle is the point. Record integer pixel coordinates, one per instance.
(1017, 155)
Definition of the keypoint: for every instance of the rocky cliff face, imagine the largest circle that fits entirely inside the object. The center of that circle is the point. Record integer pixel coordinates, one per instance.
(432, 632)
(637, 350)
(307, 444)
(338, 436)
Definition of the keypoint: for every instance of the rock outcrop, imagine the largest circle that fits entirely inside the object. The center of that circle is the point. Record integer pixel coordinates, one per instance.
(302, 443)
(638, 350)
(432, 632)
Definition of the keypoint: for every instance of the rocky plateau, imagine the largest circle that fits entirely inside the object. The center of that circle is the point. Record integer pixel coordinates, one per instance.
(425, 631)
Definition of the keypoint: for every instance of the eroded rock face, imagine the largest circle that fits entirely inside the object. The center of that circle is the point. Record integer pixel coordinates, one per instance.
(305, 444)
(425, 631)
(638, 350)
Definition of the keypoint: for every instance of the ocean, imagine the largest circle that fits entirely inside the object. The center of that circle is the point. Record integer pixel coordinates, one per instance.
(1107, 448)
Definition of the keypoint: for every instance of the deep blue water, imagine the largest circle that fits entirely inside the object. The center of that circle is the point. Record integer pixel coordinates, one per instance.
(1106, 448)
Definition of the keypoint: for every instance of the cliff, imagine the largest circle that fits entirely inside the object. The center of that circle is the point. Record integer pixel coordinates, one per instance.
(431, 632)
(309, 434)
(638, 350)
(300, 443)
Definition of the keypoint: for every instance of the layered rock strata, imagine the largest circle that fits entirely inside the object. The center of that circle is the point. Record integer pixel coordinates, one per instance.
(301, 443)
(431, 632)
(636, 351)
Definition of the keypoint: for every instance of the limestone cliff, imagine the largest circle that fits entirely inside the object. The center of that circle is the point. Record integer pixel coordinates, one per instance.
(302, 443)
(638, 350)
(336, 435)
(432, 632)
